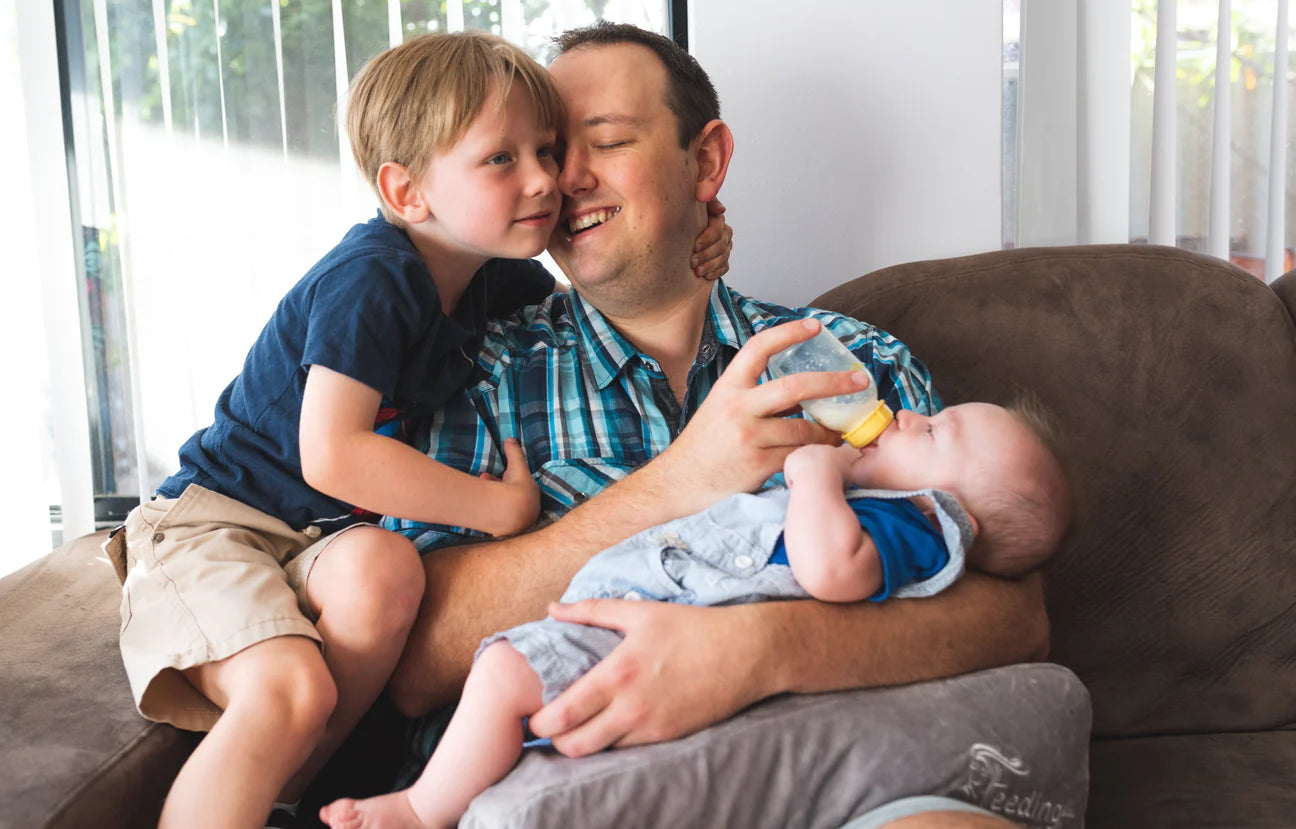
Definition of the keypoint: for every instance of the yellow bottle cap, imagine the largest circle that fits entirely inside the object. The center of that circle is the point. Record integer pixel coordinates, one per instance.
(868, 429)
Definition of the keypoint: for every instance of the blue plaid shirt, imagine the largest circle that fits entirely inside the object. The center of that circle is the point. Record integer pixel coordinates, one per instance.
(589, 408)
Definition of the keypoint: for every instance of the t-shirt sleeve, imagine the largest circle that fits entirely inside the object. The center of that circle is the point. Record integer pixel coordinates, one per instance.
(364, 313)
(909, 545)
(516, 283)
(902, 379)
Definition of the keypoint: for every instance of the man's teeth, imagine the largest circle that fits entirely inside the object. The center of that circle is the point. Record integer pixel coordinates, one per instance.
(588, 220)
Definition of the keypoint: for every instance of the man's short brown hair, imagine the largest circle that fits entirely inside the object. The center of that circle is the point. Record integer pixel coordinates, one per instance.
(690, 95)
(418, 99)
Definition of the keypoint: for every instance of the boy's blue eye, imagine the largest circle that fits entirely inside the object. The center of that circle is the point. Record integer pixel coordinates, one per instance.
(500, 158)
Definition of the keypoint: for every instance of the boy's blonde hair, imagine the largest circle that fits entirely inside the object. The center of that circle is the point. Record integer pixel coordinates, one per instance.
(1023, 512)
(418, 99)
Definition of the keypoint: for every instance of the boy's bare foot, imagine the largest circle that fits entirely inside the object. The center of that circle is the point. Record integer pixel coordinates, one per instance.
(389, 811)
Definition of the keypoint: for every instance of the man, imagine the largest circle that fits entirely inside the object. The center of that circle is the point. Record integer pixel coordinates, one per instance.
(599, 383)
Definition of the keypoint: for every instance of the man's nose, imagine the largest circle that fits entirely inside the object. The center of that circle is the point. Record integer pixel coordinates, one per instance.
(576, 177)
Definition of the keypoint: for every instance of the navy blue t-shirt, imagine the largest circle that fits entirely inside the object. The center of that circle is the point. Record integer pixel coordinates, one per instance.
(370, 310)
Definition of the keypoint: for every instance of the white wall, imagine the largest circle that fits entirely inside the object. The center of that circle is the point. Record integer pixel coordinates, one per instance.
(867, 133)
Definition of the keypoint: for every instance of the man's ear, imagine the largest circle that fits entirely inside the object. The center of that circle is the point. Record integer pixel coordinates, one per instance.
(401, 193)
(714, 149)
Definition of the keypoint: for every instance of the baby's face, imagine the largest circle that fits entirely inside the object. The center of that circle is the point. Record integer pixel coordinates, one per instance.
(956, 450)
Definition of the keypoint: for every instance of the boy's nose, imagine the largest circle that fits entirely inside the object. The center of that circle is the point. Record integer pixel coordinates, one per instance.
(541, 179)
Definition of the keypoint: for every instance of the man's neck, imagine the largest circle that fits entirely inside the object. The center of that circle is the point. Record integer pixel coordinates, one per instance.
(669, 332)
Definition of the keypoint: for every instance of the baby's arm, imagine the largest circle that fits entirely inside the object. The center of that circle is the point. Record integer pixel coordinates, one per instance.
(343, 457)
(831, 555)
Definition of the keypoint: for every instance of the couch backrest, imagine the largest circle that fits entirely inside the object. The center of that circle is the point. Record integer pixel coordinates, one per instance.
(1172, 378)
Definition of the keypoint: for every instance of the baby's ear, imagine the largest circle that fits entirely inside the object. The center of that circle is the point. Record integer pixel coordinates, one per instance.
(401, 193)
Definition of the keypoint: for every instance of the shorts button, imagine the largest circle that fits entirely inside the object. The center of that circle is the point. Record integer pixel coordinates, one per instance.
(743, 562)
(158, 538)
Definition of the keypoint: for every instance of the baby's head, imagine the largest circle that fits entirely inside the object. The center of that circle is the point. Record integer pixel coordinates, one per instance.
(996, 461)
(417, 100)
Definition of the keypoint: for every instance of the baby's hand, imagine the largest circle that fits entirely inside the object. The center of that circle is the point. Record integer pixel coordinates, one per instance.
(817, 459)
(518, 493)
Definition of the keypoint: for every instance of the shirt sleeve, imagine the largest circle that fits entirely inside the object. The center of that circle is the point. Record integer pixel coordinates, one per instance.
(910, 547)
(902, 379)
(365, 313)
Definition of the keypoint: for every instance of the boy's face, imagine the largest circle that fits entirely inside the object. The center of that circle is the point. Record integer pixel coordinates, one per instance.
(956, 450)
(495, 192)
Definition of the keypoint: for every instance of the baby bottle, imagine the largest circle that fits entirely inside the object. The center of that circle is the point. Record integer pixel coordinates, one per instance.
(860, 417)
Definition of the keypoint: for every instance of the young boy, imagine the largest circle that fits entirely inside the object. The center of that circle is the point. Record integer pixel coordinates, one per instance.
(256, 603)
(909, 537)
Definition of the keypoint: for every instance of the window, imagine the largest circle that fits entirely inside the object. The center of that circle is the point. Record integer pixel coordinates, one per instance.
(208, 175)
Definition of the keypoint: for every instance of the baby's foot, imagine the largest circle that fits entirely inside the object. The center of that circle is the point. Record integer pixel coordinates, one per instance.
(390, 811)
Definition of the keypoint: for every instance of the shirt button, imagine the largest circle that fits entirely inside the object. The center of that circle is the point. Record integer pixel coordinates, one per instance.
(633, 595)
(158, 538)
(743, 562)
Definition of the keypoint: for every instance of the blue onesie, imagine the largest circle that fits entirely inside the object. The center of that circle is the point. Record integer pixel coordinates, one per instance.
(730, 554)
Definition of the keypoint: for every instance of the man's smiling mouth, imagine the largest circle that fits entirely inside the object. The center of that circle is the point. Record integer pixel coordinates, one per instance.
(583, 222)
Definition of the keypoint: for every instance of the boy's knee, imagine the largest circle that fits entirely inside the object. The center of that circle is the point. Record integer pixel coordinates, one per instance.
(295, 691)
(306, 694)
(381, 582)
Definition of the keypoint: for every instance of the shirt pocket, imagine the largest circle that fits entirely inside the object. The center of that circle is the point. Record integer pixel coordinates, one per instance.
(568, 482)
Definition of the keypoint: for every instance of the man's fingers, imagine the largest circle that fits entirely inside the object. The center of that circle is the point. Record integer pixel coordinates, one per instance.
(613, 614)
(784, 394)
(571, 710)
(750, 361)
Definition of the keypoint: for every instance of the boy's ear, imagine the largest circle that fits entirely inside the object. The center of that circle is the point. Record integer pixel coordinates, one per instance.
(401, 193)
(714, 149)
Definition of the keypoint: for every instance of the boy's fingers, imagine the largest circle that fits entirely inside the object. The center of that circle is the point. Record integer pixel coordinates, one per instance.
(514, 457)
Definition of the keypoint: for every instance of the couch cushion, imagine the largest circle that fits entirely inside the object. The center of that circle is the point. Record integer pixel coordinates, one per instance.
(1172, 376)
(76, 753)
(1013, 740)
(1202, 780)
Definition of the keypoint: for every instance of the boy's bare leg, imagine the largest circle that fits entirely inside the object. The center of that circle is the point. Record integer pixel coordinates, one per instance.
(480, 746)
(365, 589)
(277, 696)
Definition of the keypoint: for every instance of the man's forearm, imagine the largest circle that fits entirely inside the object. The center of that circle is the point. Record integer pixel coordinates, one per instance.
(979, 622)
(476, 590)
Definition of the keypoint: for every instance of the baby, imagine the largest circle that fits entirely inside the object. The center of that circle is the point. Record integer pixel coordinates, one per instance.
(975, 483)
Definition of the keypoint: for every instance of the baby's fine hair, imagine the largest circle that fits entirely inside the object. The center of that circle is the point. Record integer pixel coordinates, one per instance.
(418, 99)
(1023, 519)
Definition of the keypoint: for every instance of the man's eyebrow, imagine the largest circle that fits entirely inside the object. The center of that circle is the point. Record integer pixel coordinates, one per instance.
(613, 118)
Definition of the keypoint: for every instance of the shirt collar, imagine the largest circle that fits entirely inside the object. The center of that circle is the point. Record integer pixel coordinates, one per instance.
(608, 352)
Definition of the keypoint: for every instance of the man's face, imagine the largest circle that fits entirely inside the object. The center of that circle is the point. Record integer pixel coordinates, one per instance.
(630, 212)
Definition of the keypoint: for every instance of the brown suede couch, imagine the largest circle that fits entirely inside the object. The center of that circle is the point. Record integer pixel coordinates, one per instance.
(1172, 377)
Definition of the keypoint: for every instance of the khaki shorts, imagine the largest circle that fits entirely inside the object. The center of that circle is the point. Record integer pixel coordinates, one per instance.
(204, 576)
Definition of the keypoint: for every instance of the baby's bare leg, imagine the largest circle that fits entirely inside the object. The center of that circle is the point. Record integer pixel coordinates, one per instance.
(480, 746)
